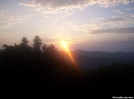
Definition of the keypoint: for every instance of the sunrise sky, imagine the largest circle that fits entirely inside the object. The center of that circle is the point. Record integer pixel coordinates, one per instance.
(104, 25)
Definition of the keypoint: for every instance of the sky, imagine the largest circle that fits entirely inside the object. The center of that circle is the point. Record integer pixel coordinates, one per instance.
(92, 25)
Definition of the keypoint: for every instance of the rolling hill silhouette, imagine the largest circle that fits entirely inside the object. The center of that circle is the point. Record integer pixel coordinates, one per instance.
(93, 59)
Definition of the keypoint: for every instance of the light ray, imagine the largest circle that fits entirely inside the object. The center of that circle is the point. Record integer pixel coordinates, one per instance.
(71, 57)
(67, 50)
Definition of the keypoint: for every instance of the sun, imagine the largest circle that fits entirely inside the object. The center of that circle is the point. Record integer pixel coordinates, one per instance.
(64, 44)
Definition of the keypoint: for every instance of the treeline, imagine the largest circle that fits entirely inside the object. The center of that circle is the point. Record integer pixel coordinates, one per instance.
(41, 71)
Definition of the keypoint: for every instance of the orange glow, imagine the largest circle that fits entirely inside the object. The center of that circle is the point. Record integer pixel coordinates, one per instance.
(64, 44)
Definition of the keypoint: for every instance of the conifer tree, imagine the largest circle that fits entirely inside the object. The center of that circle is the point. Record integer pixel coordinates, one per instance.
(24, 41)
(37, 43)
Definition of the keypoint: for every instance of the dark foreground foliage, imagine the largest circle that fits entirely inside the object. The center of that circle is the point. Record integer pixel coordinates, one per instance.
(30, 72)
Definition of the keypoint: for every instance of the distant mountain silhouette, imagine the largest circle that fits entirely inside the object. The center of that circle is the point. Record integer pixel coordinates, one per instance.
(118, 54)
(93, 59)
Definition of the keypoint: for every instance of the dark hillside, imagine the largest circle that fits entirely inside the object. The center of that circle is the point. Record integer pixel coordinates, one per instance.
(29, 72)
(92, 60)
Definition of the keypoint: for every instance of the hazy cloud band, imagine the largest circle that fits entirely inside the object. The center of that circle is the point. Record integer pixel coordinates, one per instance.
(54, 6)
(116, 30)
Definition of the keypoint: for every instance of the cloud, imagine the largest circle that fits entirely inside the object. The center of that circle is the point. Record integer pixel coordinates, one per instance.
(101, 23)
(56, 39)
(77, 38)
(50, 40)
(55, 6)
(128, 9)
(1, 13)
(115, 30)
(8, 33)
(9, 21)
(118, 11)
(93, 24)
(113, 22)
(119, 21)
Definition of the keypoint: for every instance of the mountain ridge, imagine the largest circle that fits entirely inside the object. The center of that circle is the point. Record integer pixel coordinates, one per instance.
(93, 59)
(118, 54)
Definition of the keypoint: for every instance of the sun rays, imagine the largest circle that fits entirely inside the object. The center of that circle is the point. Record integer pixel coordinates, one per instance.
(65, 47)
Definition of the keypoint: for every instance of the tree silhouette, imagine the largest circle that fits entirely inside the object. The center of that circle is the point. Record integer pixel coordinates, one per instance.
(52, 51)
(37, 43)
(44, 47)
(24, 41)
(46, 73)
(5, 46)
